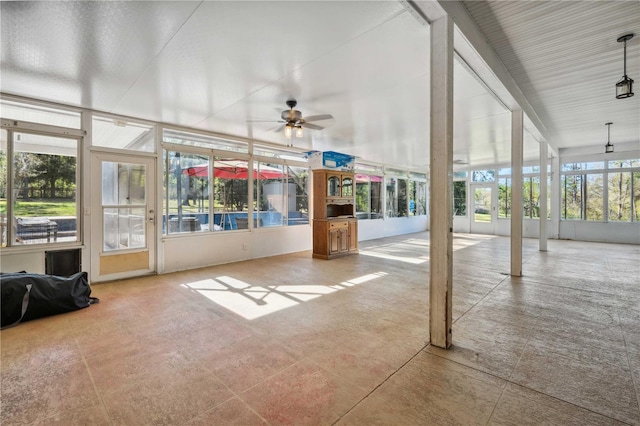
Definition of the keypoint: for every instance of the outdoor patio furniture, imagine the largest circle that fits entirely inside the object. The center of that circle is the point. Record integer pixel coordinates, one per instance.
(36, 228)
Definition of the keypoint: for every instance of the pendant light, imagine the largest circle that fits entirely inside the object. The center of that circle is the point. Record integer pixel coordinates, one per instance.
(608, 148)
(288, 130)
(624, 88)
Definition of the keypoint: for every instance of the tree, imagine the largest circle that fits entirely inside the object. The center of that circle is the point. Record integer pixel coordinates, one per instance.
(3, 174)
(231, 193)
(54, 170)
(24, 170)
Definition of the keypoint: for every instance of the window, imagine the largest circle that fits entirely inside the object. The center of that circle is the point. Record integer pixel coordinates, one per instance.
(636, 196)
(298, 187)
(584, 196)
(531, 197)
(504, 197)
(270, 195)
(595, 165)
(376, 197)
(571, 197)
(41, 205)
(368, 200)
(483, 176)
(460, 198)
(3, 188)
(621, 164)
(36, 113)
(186, 192)
(203, 141)
(417, 198)
(123, 205)
(205, 183)
(402, 198)
(619, 192)
(363, 196)
(392, 197)
(122, 134)
(594, 197)
(230, 193)
(368, 191)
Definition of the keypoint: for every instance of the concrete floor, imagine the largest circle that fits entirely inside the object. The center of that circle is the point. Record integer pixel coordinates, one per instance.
(295, 340)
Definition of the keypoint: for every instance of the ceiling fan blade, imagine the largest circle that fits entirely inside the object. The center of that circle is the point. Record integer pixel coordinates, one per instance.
(279, 129)
(311, 126)
(318, 117)
(263, 121)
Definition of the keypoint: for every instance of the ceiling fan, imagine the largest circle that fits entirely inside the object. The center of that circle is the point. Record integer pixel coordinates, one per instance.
(294, 122)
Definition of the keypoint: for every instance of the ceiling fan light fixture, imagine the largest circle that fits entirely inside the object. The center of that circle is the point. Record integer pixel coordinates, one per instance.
(299, 132)
(288, 131)
(624, 87)
(608, 148)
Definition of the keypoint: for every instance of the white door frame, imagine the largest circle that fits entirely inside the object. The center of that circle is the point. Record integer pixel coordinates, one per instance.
(481, 227)
(135, 256)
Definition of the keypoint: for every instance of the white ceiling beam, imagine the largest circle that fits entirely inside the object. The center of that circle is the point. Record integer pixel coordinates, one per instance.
(472, 46)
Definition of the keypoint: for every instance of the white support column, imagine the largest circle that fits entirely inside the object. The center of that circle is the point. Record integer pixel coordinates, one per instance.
(542, 241)
(441, 181)
(84, 164)
(517, 129)
(556, 196)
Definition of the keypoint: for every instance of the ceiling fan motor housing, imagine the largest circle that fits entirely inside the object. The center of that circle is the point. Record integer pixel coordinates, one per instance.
(291, 115)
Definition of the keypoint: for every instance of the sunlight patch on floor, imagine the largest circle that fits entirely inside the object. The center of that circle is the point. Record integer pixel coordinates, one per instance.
(254, 301)
(413, 260)
(468, 240)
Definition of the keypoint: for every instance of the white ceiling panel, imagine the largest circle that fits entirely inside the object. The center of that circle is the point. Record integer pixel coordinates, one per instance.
(378, 96)
(83, 53)
(220, 66)
(565, 58)
(228, 50)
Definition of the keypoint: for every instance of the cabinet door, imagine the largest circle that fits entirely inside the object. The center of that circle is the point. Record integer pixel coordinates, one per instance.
(333, 186)
(334, 241)
(347, 186)
(353, 235)
(344, 239)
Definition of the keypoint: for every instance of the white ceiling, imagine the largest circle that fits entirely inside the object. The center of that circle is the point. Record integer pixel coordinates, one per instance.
(219, 65)
(565, 58)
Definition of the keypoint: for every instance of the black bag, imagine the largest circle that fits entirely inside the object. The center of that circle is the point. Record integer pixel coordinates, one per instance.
(30, 296)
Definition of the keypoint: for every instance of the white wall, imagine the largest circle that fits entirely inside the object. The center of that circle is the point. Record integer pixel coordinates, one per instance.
(196, 251)
(370, 229)
(628, 233)
(32, 262)
(530, 228)
(461, 224)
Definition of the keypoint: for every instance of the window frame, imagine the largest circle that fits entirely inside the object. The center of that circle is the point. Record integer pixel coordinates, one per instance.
(586, 170)
(11, 127)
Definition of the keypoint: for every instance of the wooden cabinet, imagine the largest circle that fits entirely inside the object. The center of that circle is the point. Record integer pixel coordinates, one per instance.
(335, 237)
(333, 194)
(335, 228)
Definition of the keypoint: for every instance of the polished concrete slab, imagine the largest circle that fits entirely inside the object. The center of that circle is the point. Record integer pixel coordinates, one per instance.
(295, 340)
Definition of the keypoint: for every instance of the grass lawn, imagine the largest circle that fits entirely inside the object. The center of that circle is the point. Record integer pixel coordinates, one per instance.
(482, 217)
(41, 207)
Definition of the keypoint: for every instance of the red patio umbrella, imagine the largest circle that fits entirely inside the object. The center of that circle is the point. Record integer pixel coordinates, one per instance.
(233, 169)
(365, 178)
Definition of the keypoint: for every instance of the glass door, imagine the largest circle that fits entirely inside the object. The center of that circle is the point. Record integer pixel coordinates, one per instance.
(483, 216)
(123, 218)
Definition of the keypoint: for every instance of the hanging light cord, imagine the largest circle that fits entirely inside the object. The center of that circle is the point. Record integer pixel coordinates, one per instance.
(625, 57)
